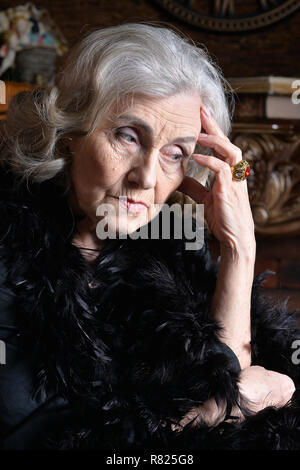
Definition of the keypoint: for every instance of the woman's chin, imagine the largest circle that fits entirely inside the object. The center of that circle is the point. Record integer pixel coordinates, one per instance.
(112, 227)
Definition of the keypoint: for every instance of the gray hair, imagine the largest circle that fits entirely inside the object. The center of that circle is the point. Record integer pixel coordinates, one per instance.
(104, 67)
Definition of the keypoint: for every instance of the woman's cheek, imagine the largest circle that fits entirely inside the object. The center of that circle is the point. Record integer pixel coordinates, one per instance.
(174, 172)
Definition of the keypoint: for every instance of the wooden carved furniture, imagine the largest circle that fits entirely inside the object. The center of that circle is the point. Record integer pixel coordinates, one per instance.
(229, 15)
(272, 147)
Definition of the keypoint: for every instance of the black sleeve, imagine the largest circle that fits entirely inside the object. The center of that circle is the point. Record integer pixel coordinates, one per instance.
(25, 420)
(233, 362)
(275, 331)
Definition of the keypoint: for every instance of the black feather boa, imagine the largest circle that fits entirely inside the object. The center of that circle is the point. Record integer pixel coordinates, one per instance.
(138, 349)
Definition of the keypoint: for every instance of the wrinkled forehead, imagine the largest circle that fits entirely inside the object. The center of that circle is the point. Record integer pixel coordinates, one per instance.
(160, 115)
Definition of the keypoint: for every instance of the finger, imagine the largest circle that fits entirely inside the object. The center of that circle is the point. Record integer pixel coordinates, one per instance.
(210, 124)
(226, 150)
(222, 169)
(194, 189)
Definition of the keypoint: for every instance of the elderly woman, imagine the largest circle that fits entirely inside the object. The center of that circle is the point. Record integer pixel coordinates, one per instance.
(122, 342)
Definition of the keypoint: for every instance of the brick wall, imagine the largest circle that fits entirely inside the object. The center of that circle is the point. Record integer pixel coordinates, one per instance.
(273, 50)
(282, 256)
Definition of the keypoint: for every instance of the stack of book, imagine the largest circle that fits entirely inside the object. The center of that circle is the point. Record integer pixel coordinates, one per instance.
(267, 97)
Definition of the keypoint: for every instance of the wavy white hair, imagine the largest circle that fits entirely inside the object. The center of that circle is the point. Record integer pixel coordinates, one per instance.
(104, 67)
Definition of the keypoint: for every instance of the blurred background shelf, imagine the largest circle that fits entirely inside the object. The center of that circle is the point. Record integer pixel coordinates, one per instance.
(11, 89)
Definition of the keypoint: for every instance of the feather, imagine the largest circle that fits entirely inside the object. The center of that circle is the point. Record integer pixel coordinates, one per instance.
(140, 348)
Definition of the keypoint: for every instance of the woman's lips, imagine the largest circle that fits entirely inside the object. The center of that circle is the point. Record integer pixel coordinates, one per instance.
(133, 207)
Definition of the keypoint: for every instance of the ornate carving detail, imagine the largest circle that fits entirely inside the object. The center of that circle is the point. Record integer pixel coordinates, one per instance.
(229, 15)
(274, 186)
(224, 7)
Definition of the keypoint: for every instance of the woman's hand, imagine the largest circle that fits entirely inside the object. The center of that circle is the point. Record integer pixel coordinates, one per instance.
(259, 388)
(226, 207)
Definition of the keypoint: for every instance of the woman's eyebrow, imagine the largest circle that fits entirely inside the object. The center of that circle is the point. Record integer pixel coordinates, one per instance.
(136, 121)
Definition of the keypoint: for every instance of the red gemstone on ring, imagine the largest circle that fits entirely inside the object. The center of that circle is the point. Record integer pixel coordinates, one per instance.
(247, 172)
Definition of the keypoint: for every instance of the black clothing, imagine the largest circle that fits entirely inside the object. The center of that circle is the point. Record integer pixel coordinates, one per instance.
(99, 356)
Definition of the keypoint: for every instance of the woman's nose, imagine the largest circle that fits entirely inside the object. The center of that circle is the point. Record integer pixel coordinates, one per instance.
(144, 172)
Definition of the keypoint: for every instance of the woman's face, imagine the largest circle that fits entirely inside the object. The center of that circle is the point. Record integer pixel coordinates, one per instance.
(141, 152)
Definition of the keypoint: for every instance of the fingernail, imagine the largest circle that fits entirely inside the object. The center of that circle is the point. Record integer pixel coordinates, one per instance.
(202, 136)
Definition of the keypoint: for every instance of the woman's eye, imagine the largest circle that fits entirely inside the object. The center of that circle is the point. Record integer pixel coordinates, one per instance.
(173, 158)
(178, 157)
(128, 137)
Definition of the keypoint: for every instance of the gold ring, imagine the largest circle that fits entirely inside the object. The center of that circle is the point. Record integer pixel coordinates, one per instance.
(241, 170)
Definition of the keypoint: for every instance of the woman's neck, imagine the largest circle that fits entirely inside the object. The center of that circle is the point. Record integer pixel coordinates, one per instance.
(85, 237)
(86, 240)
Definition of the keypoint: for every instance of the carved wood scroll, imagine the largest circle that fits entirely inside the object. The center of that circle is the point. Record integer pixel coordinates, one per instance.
(273, 150)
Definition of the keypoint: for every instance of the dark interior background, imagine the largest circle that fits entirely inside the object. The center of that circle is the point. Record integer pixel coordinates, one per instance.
(272, 50)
